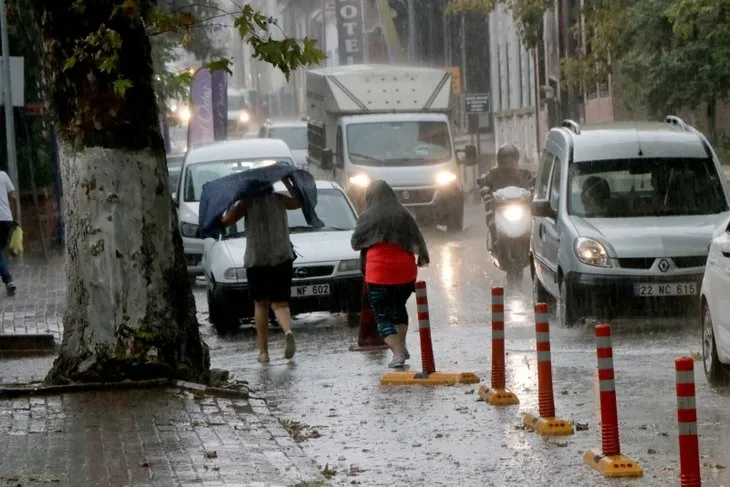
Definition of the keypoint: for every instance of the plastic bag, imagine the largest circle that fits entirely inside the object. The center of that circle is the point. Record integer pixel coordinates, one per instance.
(15, 247)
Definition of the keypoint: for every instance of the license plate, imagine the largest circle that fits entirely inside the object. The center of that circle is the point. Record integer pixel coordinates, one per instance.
(658, 290)
(311, 290)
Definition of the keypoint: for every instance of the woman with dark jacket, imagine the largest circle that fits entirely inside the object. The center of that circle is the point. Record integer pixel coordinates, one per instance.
(389, 239)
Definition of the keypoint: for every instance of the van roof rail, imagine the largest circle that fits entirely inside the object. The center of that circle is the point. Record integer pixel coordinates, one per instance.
(674, 120)
(572, 125)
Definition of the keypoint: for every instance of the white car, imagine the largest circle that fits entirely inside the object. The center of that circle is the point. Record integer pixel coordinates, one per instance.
(327, 275)
(206, 163)
(294, 133)
(715, 307)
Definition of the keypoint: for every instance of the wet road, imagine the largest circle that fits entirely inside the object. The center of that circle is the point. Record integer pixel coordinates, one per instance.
(377, 435)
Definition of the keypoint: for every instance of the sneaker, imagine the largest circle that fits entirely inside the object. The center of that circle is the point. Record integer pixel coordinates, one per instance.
(263, 358)
(10, 288)
(397, 362)
(290, 346)
(406, 354)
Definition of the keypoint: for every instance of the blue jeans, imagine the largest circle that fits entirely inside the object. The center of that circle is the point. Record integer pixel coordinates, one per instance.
(5, 229)
(388, 303)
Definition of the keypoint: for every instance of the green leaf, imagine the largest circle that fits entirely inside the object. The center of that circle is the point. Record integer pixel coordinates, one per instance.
(121, 86)
(222, 64)
(70, 63)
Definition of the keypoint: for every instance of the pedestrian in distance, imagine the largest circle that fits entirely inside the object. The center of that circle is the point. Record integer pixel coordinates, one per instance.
(268, 260)
(388, 237)
(7, 224)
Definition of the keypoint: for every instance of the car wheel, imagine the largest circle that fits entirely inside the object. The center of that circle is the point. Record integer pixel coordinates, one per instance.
(455, 221)
(220, 316)
(566, 307)
(539, 293)
(715, 372)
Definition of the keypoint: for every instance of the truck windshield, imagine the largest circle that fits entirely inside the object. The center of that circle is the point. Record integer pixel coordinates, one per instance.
(398, 143)
(626, 188)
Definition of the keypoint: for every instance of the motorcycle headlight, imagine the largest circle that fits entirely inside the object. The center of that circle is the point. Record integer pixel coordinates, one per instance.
(235, 273)
(591, 252)
(513, 213)
(189, 230)
(360, 180)
(445, 177)
(244, 117)
(349, 265)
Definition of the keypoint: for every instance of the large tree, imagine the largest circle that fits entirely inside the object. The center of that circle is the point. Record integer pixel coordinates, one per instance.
(130, 311)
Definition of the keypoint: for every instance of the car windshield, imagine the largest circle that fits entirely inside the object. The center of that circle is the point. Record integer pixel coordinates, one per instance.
(332, 208)
(398, 143)
(645, 187)
(295, 137)
(199, 173)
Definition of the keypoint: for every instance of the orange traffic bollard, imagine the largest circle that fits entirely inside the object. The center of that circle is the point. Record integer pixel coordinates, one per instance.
(546, 423)
(429, 376)
(609, 461)
(368, 337)
(498, 395)
(689, 448)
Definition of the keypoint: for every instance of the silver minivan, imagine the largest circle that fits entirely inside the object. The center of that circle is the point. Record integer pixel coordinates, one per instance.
(623, 216)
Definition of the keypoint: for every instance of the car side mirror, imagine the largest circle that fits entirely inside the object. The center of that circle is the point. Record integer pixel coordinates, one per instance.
(326, 162)
(470, 156)
(542, 209)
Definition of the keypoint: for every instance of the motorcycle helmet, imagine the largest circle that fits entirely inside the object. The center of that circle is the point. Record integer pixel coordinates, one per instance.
(508, 155)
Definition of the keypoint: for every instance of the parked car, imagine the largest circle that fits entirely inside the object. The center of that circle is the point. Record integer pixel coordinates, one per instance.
(624, 214)
(206, 163)
(326, 274)
(174, 167)
(715, 308)
(294, 133)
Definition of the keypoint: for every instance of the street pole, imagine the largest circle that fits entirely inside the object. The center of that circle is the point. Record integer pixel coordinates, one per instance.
(8, 102)
(412, 31)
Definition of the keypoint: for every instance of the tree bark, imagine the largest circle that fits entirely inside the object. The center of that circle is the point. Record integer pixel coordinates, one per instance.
(130, 312)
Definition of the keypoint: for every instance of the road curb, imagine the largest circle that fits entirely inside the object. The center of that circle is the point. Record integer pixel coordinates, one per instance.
(15, 345)
(24, 390)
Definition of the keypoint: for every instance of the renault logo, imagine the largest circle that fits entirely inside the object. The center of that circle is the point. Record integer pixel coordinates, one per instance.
(301, 272)
(406, 195)
(664, 265)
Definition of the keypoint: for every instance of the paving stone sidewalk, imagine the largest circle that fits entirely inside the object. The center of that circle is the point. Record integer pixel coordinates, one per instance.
(37, 306)
(150, 437)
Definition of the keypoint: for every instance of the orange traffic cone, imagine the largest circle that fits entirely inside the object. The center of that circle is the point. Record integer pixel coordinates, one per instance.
(368, 338)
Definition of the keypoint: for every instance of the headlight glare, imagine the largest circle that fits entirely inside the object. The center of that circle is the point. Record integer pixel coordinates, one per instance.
(445, 177)
(360, 180)
(184, 114)
(244, 116)
(591, 252)
(235, 273)
(513, 213)
(349, 265)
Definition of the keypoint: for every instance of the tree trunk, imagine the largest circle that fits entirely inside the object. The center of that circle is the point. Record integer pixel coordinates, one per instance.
(130, 312)
(712, 120)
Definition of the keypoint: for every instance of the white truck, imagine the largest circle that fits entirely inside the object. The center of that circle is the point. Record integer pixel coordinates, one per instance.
(369, 122)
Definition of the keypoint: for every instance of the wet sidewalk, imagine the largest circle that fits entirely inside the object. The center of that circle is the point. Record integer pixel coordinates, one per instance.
(147, 437)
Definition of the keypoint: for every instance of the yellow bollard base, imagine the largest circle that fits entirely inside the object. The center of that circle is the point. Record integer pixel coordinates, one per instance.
(498, 397)
(612, 466)
(435, 379)
(548, 426)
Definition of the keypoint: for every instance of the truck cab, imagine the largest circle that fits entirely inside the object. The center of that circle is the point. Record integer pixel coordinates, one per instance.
(391, 123)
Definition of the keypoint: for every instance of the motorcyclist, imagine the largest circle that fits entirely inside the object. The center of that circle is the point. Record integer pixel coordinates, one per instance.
(507, 173)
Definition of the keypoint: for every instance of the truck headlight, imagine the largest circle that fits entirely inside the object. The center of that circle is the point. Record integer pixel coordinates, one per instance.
(235, 273)
(189, 230)
(360, 180)
(445, 177)
(513, 213)
(349, 265)
(591, 252)
(244, 117)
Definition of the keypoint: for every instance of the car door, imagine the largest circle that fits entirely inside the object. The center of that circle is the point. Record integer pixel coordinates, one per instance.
(539, 249)
(718, 273)
(549, 232)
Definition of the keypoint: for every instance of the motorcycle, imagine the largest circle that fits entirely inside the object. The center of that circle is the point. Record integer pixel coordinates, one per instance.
(509, 214)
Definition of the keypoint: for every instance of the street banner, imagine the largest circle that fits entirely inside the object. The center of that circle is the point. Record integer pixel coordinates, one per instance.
(219, 81)
(200, 126)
